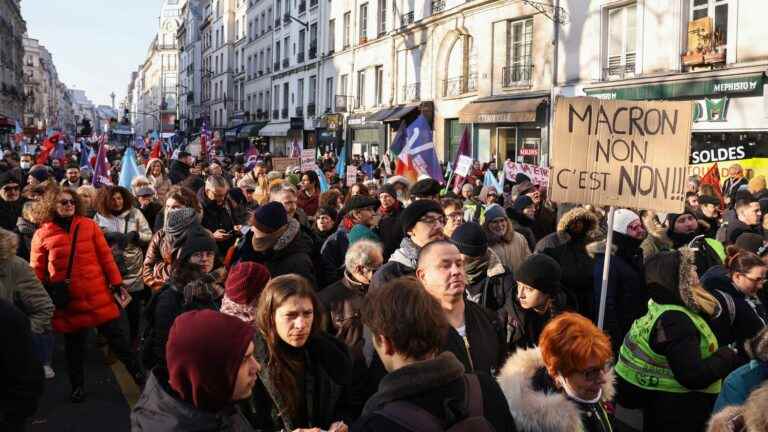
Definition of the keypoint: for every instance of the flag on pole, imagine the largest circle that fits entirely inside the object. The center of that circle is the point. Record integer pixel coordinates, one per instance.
(296, 147)
(341, 165)
(458, 181)
(49, 145)
(418, 156)
(399, 150)
(58, 151)
(156, 150)
(712, 178)
(18, 133)
(323, 181)
(101, 169)
(129, 169)
(139, 143)
(205, 136)
(86, 154)
(491, 180)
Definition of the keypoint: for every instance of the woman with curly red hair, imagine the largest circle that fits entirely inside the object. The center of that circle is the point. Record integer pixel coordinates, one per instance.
(566, 382)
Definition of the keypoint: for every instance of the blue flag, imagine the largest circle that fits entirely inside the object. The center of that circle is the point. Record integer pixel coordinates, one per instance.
(491, 180)
(341, 165)
(323, 181)
(129, 169)
(420, 149)
(86, 152)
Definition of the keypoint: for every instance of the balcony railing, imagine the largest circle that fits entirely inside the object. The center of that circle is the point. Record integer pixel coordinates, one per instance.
(299, 111)
(406, 19)
(275, 114)
(261, 72)
(363, 39)
(190, 96)
(310, 109)
(412, 92)
(286, 18)
(167, 46)
(302, 6)
(312, 3)
(284, 112)
(277, 66)
(619, 68)
(277, 23)
(313, 50)
(459, 85)
(300, 57)
(438, 6)
(519, 74)
(285, 63)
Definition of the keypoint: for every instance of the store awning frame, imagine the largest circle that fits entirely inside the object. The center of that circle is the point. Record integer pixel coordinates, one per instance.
(275, 130)
(382, 114)
(509, 110)
(400, 112)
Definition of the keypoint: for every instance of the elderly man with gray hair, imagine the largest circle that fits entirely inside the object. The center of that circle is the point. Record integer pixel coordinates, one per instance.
(219, 212)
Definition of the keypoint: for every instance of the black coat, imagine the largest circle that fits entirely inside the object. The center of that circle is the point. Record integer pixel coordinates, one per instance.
(486, 337)
(578, 272)
(736, 228)
(150, 213)
(436, 386)
(178, 171)
(10, 213)
(21, 374)
(391, 231)
(216, 217)
(332, 255)
(326, 365)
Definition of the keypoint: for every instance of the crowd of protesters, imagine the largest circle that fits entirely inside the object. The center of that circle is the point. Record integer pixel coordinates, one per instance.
(241, 298)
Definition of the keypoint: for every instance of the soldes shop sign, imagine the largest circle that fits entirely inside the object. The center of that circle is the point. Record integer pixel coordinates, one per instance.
(719, 154)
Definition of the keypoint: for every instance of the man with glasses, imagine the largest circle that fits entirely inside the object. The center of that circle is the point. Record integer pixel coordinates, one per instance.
(10, 200)
(454, 215)
(422, 223)
(218, 212)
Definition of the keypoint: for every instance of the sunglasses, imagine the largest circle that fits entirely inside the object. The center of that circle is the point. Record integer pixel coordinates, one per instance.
(10, 188)
(66, 202)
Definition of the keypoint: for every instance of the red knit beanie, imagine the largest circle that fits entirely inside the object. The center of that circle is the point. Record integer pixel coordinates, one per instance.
(245, 282)
(204, 351)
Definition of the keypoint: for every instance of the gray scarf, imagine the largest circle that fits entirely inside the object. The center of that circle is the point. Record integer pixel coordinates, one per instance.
(177, 223)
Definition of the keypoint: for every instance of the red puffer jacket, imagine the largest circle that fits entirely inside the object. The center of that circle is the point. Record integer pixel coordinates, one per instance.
(91, 302)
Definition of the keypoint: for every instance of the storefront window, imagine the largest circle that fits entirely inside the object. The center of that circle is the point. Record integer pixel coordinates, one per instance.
(453, 132)
(726, 148)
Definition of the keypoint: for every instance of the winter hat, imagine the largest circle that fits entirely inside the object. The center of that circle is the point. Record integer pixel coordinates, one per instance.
(359, 202)
(541, 272)
(198, 239)
(622, 218)
(360, 232)
(274, 175)
(415, 211)
(40, 173)
(521, 203)
(270, 217)
(709, 199)
(525, 188)
(672, 218)
(521, 178)
(388, 189)
(247, 182)
(470, 239)
(204, 351)
(145, 191)
(245, 282)
(495, 211)
(749, 242)
(293, 179)
(425, 188)
(7, 178)
(180, 218)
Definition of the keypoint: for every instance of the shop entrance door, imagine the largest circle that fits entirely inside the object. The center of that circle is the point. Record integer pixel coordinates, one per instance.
(506, 144)
(529, 149)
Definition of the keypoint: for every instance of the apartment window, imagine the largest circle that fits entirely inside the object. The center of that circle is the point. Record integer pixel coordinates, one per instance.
(622, 40)
(343, 84)
(312, 40)
(329, 94)
(276, 104)
(300, 95)
(379, 77)
(331, 35)
(277, 51)
(360, 101)
(347, 24)
(382, 17)
(715, 9)
(269, 60)
(285, 98)
(312, 88)
(302, 42)
(519, 60)
(286, 45)
(363, 23)
(278, 9)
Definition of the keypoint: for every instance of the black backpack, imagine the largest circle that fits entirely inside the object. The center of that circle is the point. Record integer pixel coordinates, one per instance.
(417, 419)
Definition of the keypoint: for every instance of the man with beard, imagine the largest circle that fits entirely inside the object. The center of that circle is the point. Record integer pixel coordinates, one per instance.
(422, 223)
(475, 336)
(683, 229)
(626, 296)
(709, 207)
(73, 179)
(10, 200)
(748, 219)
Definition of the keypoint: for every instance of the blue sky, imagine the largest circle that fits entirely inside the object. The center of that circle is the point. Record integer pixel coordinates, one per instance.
(95, 43)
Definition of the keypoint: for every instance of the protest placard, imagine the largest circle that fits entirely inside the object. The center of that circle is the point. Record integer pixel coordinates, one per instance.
(351, 175)
(463, 165)
(621, 153)
(308, 161)
(539, 175)
(281, 163)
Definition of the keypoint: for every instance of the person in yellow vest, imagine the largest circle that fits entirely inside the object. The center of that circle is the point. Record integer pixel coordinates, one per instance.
(670, 364)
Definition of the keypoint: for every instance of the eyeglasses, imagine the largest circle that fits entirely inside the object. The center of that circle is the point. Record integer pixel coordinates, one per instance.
(10, 188)
(66, 202)
(433, 220)
(595, 373)
(757, 280)
(456, 216)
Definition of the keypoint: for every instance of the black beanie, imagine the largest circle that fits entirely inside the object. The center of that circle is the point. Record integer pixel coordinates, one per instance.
(198, 240)
(672, 218)
(541, 272)
(521, 203)
(415, 211)
(425, 188)
(270, 217)
(388, 189)
(470, 239)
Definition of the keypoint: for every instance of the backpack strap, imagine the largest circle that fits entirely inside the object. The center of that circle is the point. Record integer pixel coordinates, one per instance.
(410, 417)
(730, 305)
(473, 395)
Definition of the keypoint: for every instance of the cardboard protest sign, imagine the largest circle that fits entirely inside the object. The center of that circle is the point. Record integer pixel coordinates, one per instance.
(621, 153)
(308, 162)
(463, 165)
(281, 163)
(539, 175)
(351, 175)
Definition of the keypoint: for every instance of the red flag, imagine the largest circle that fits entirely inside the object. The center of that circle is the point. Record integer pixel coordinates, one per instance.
(49, 144)
(204, 146)
(156, 149)
(712, 177)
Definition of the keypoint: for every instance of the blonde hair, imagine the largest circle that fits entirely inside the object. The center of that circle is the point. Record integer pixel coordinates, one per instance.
(705, 301)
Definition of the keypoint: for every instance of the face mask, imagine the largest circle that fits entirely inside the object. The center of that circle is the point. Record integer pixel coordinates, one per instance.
(25, 165)
(572, 394)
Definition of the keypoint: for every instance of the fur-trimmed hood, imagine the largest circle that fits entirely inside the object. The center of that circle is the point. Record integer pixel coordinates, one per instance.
(750, 417)
(657, 233)
(535, 410)
(9, 242)
(585, 215)
(757, 347)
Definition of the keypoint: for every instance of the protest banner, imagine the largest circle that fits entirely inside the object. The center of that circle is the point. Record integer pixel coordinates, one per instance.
(621, 153)
(539, 175)
(281, 163)
(351, 175)
(463, 164)
(308, 161)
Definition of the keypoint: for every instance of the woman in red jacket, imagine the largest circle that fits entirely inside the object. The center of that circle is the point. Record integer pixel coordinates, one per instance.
(93, 280)
(308, 198)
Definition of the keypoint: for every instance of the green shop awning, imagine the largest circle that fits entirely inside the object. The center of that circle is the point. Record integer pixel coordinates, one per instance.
(743, 85)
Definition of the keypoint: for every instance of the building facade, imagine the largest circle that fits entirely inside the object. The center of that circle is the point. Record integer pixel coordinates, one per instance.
(12, 96)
